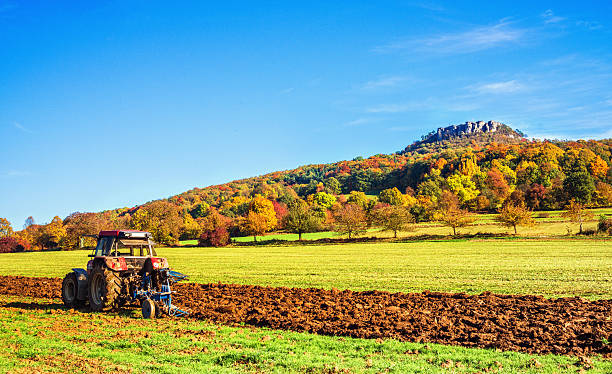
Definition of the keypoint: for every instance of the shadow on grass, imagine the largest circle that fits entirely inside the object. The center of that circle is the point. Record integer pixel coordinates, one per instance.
(126, 311)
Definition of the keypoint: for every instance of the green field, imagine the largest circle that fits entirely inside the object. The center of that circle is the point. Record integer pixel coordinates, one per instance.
(551, 268)
(41, 334)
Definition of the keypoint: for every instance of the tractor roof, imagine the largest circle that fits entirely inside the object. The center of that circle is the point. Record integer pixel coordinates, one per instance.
(124, 234)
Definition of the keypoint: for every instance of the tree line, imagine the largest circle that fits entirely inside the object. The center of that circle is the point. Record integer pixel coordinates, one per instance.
(439, 183)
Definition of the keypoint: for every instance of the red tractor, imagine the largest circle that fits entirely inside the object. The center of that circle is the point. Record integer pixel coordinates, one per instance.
(124, 268)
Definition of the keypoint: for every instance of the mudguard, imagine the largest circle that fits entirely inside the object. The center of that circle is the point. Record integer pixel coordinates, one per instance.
(83, 290)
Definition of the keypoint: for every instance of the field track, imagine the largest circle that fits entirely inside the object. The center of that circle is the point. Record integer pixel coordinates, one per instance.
(533, 324)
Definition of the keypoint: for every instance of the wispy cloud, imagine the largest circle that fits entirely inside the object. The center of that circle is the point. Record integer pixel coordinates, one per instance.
(287, 90)
(17, 173)
(590, 25)
(428, 6)
(361, 121)
(384, 82)
(396, 108)
(499, 87)
(474, 40)
(550, 17)
(22, 128)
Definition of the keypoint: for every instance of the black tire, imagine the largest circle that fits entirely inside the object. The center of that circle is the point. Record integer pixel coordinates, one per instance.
(104, 290)
(70, 290)
(149, 309)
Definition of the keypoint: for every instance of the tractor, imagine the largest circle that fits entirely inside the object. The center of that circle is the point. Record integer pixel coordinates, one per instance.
(124, 269)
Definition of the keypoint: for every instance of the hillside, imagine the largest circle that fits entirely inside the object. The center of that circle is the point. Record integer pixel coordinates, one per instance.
(484, 164)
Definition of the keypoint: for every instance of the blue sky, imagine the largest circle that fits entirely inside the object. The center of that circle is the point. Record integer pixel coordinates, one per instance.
(114, 103)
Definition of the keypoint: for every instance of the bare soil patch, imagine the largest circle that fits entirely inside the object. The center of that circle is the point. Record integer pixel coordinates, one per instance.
(525, 323)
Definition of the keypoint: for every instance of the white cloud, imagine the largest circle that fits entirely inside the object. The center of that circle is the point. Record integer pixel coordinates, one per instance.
(591, 25)
(549, 17)
(17, 173)
(360, 121)
(499, 87)
(22, 128)
(383, 82)
(474, 40)
(288, 90)
(395, 108)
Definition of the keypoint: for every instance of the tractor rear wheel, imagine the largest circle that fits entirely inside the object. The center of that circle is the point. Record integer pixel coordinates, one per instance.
(104, 289)
(70, 290)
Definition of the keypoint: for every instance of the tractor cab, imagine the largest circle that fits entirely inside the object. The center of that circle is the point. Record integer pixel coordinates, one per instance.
(124, 243)
(123, 250)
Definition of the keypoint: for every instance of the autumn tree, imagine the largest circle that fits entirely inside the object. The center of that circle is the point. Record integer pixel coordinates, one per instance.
(5, 228)
(322, 199)
(577, 213)
(28, 222)
(301, 219)
(161, 218)
(79, 224)
(391, 196)
(394, 218)
(214, 229)
(52, 234)
(254, 224)
(190, 229)
(260, 218)
(511, 215)
(450, 214)
(350, 219)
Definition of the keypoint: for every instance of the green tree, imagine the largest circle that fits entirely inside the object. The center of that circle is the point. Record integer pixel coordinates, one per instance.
(301, 219)
(350, 219)
(200, 210)
(360, 199)
(332, 186)
(324, 199)
(511, 215)
(577, 213)
(579, 186)
(391, 196)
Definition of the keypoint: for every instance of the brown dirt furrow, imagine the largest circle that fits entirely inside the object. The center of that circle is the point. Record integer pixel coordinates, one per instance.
(526, 323)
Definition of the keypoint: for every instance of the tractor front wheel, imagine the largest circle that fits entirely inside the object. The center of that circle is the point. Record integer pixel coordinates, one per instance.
(70, 289)
(104, 289)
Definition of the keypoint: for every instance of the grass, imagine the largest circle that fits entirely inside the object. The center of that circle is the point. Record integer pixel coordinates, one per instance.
(552, 268)
(551, 225)
(41, 336)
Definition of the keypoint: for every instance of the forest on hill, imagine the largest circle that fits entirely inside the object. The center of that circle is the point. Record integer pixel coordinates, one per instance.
(477, 172)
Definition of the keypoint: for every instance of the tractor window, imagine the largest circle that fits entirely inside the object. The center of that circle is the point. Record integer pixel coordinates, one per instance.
(104, 246)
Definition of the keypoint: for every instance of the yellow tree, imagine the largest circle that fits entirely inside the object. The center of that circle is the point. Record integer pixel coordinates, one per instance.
(5, 228)
(260, 217)
(577, 213)
(515, 215)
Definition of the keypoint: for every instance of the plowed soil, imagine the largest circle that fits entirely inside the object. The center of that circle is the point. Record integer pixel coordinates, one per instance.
(533, 324)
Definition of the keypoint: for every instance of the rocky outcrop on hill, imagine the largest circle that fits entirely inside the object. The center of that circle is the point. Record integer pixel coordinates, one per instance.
(479, 132)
